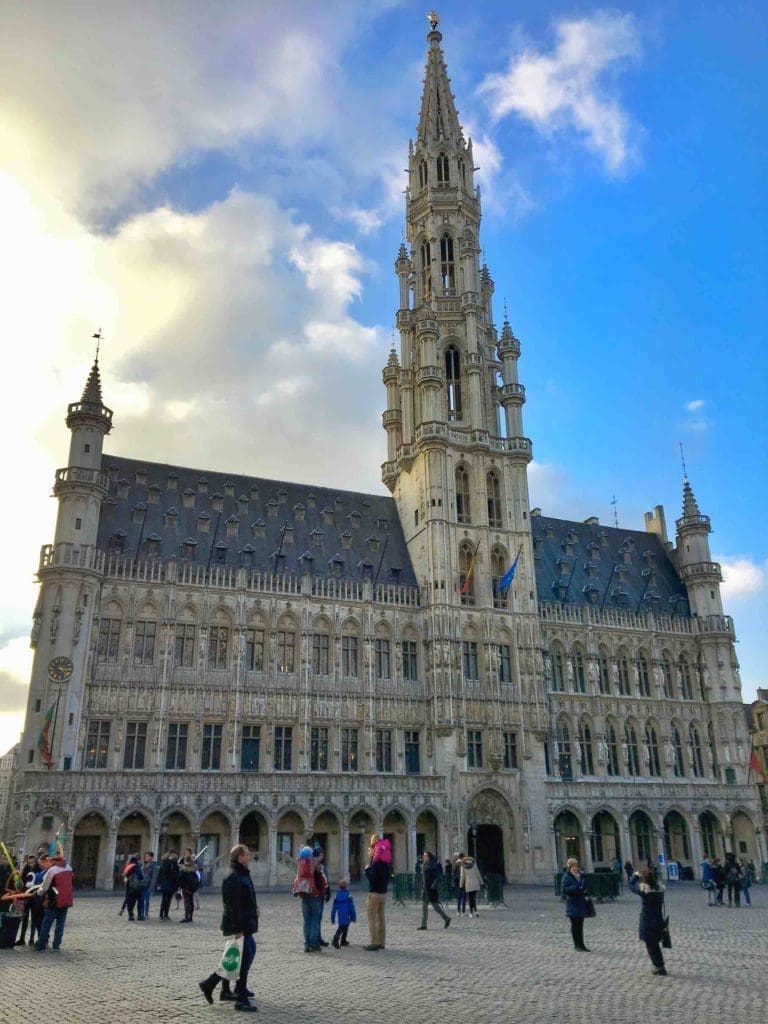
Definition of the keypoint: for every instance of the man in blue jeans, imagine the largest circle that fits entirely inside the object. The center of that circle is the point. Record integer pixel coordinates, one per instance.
(56, 894)
(149, 868)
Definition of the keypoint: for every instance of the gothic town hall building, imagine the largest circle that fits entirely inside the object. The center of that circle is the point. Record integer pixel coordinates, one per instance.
(223, 658)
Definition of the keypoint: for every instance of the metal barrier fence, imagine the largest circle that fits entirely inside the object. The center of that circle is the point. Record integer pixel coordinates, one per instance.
(602, 885)
(407, 888)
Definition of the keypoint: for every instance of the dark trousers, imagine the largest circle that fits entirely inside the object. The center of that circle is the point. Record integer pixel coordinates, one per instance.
(189, 905)
(131, 899)
(249, 952)
(461, 903)
(472, 897)
(577, 931)
(654, 952)
(165, 903)
(734, 892)
(341, 935)
(720, 888)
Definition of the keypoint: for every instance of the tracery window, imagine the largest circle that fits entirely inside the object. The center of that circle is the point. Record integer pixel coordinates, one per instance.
(447, 265)
(587, 756)
(493, 494)
(462, 495)
(604, 669)
(643, 677)
(466, 578)
(686, 689)
(679, 761)
(652, 743)
(558, 668)
(453, 381)
(443, 169)
(426, 271)
(422, 174)
(614, 767)
(697, 761)
(577, 664)
(498, 568)
(633, 754)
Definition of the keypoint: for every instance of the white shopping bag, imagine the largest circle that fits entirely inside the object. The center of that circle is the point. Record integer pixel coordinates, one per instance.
(231, 958)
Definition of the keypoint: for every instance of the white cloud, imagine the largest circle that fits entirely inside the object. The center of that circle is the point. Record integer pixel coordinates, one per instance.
(696, 420)
(742, 576)
(695, 405)
(572, 88)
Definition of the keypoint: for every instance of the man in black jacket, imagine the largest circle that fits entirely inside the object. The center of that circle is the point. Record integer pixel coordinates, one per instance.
(240, 918)
(430, 876)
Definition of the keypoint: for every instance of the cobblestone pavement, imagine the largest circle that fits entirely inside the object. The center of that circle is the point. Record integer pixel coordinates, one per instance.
(514, 965)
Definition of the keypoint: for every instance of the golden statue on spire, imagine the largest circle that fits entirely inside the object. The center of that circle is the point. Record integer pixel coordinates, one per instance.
(434, 19)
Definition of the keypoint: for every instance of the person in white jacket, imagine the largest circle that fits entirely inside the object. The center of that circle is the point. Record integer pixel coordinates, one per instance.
(470, 880)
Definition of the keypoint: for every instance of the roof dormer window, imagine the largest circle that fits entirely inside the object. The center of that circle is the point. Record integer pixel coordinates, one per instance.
(229, 489)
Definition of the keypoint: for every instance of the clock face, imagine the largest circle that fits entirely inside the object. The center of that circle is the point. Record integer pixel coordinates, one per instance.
(60, 669)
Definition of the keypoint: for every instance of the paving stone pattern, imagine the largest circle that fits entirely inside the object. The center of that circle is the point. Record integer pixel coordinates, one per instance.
(513, 965)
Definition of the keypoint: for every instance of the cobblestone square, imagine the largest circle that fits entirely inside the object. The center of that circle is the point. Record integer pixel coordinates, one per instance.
(513, 965)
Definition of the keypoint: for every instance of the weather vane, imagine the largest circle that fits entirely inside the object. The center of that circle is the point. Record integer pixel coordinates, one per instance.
(434, 19)
(682, 459)
(98, 336)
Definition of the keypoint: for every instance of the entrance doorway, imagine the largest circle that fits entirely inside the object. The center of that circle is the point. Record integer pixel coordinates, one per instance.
(487, 847)
(355, 856)
(85, 860)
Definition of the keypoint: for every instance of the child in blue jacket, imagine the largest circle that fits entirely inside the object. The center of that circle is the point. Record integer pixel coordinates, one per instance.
(344, 909)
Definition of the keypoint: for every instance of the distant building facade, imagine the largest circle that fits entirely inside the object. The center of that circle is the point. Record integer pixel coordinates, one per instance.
(7, 773)
(224, 658)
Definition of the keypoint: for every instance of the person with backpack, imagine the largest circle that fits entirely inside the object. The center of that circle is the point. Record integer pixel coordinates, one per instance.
(430, 897)
(189, 883)
(310, 887)
(56, 894)
(471, 883)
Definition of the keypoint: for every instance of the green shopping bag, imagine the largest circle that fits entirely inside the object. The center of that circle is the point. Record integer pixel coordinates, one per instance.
(231, 958)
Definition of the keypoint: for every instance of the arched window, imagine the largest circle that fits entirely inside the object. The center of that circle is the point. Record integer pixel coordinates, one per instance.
(422, 174)
(585, 742)
(679, 761)
(686, 689)
(613, 767)
(493, 493)
(565, 768)
(447, 265)
(633, 754)
(652, 743)
(466, 579)
(453, 381)
(443, 170)
(643, 677)
(624, 684)
(577, 664)
(498, 568)
(604, 667)
(713, 750)
(426, 271)
(558, 668)
(666, 672)
(462, 173)
(462, 495)
(697, 761)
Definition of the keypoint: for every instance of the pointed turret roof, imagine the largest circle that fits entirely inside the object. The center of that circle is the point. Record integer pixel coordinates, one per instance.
(438, 117)
(690, 505)
(92, 389)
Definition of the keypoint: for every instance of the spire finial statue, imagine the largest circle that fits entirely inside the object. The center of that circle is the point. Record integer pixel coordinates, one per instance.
(434, 19)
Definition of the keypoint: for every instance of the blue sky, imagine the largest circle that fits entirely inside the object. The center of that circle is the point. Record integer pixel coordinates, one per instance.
(219, 188)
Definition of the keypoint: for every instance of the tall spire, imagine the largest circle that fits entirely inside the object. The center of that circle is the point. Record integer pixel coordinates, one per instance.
(92, 389)
(438, 118)
(690, 505)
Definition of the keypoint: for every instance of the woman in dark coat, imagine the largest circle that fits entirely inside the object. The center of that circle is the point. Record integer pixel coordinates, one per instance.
(576, 907)
(168, 881)
(651, 926)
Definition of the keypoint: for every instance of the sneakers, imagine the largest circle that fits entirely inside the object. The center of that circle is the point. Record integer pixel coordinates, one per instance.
(659, 970)
(447, 922)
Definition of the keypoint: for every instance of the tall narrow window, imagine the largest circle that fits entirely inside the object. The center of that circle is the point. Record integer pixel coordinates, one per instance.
(466, 574)
(176, 746)
(286, 651)
(447, 265)
(469, 660)
(320, 654)
(624, 683)
(412, 753)
(184, 645)
(652, 743)
(443, 170)
(144, 642)
(697, 761)
(587, 755)
(462, 495)
(349, 649)
(254, 650)
(210, 757)
(108, 643)
(474, 748)
(614, 767)
(318, 751)
(713, 750)
(686, 689)
(283, 748)
(422, 174)
(426, 272)
(218, 642)
(679, 762)
(643, 677)
(505, 663)
(577, 664)
(666, 672)
(633, 754)
(558, 668)
(250, 748)
(410, 661)
(493, 494)
(510, 750)
(453, 381)
(604, 670)
(462, 173)
(498, 568)
(349, 750)
(97, 744)
(383, 750)
(565, 767)
(135, 745)
(382, 658)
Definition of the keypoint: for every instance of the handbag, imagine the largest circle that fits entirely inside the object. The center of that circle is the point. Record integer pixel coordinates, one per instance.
(666, 938)
(231, 958)
(590, 906)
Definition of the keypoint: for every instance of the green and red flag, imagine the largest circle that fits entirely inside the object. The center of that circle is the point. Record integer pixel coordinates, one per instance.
(44, 743)
(754, 763)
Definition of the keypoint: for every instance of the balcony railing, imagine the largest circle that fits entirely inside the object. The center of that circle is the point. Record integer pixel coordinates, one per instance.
(701, 569)
(511, 391)
(689, 521)
(81, 475)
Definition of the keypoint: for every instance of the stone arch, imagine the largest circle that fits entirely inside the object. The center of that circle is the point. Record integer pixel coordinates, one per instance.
(711, 833)
(642, 837)
(175, 829)
(606, 838)
(89, 849)
(327, 831)
(216, 829)
(362, 822)
(395, 828)
(677, 842)
(743, 835)
(491, 835)
(134, 831)
(569, 836)
(322, 624)
(287, 621)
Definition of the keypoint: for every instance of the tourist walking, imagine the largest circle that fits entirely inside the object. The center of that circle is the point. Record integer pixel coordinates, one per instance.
(719, 878)
(310, 886)
(168, 881)
(628, 869)
(733, 879)
(133, 878)
(56, 894)
(377, 872)
(342, 911)
(239, 919)
(708, 881)
(461, 895)
(577, 902)
(150, 869)
(189, 883)
(471, 883)
(430, 897)
(746, 883)
(651, 925)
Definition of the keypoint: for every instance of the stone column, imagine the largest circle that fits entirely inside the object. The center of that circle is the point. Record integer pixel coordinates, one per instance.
(556, 865)
(411, 855)
(626, 844)
(154, 841)
(345, 851)
(105, 878)
(697, 851)
(272, 855)
(588, 865)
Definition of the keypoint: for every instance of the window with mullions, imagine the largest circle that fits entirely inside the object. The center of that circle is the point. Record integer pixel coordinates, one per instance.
(382, 661)
(466, 574)
(97, 744)
(318, 750)
(474, 748)
(426, 272)
(462, 496)
(383, 750)
(108, 643)
(286, 651)
(666, 672)
(144, 642)
(469, 660)
(652, 743)
(624, 683)
(679, 761)
(505, 663)
(443, 169)
(453, 384)
(349, 750)
(697, 761)
(498, 568)
(184, 645)
(447, 265)
(135, 746)
(604, 671)
(643, 677)
(587, 765)
(577, 664)
(254, 650)
(565, 765)
(558, 668)
(349, 652)
(614, 765)
(412, 753)
(686, 688)
(422, 174)
(176, 746)
(250, 748)
(210, 756)
(493, 495)
(283, 748)
(218, 642)
(633, 753)
(510, 750)
(321, 663)
(410, 661)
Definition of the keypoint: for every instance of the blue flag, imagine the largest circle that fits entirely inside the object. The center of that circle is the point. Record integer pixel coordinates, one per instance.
(509, 575)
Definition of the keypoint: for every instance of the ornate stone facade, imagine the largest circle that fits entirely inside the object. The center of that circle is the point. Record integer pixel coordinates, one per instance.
(236, 658)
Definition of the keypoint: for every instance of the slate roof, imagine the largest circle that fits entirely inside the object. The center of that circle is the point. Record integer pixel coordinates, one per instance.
(575, 566)
(153, 507)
